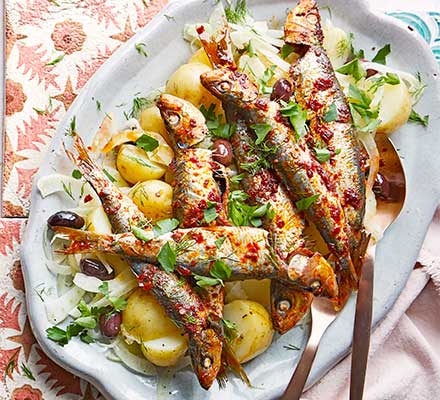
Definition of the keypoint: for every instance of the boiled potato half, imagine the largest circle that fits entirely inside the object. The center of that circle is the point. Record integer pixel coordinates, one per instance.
(185, 83)
(151, 120)
(135, 166)
(165, 351)
(395, 107)
(144, 319)
(254, 328)
(252, 289)
(154, 198)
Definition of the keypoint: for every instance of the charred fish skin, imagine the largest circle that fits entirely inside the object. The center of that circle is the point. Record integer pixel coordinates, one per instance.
(123, 214)
(195, 189)
(295, 165)
(195, 186)
(288, 304)
(245, 251)
(316, 89)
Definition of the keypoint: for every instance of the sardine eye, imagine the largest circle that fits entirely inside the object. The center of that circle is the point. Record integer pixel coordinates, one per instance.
(283, 306)
(173, 119)
(224, 86)
(315, 286)
(207, 362)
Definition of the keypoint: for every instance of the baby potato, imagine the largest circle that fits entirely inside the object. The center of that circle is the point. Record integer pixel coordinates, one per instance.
(154, 198)
(395, 107)
(254, 328)
(185, 83)
(144, 319)
(165, 351)
(151, 120)
(201, 57)
(135, 166)
(97, 221)
(252, 289)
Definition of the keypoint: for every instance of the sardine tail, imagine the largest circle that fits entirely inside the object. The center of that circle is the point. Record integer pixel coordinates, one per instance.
(234, 364)
(303, 25)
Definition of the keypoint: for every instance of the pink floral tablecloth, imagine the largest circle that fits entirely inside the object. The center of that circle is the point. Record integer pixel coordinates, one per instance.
(52, 48)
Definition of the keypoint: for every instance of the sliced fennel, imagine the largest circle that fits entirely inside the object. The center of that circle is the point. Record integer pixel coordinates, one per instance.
(58, 308)
(136, 363)
(75, 189)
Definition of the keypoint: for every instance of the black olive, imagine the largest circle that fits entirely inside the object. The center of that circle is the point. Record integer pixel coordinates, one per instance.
(282, 90)
(222, 152)
(110, 325)
(96, 268)
(371, 72)
(66, 218)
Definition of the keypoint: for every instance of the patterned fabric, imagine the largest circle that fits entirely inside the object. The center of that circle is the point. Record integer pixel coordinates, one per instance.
(52, 48)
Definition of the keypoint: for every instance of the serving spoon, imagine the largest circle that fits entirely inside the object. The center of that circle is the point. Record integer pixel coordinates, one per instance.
(322, 311)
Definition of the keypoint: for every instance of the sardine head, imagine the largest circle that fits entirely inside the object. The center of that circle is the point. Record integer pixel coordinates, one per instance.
(205, 350)
(184, 122)
(230, 86)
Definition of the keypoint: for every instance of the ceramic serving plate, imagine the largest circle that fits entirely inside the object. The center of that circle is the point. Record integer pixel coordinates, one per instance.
(126, 74)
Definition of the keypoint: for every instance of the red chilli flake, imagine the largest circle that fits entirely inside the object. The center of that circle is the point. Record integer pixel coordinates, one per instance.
(183, 271)
(144, 281)
(200, 29)
(323, 83)
(88, 198)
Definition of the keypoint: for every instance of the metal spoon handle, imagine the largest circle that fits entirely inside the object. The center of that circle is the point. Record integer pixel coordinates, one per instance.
(299, 378)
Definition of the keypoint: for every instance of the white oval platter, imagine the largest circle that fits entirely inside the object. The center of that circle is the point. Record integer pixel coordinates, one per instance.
(127, 73)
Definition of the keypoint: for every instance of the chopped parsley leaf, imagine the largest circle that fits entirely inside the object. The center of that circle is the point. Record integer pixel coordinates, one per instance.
(297, 117)
(381, 56)
(147, 143)
(164, 226)
(305, 203)
(322, 154)
(76, 173)
(331, 114)
(261, 131)
(215, 125)
(210, 214)
(286, 50)
(167, 258)
(353, 68)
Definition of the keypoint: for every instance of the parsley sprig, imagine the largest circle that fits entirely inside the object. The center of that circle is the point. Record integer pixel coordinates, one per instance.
(263, 82)
(297, 117)
(215, 124)
(242, 214)
(87, 320)
(219, 272)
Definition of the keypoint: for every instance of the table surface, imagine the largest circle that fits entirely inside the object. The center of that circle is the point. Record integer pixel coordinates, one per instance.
(37, 96)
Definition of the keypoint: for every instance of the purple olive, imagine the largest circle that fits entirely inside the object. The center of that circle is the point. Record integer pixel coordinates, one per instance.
(96, 268)
(222, 152)
(389, 188)
(282, 90)
(66, 218)
(371, 72)
(110, 325)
